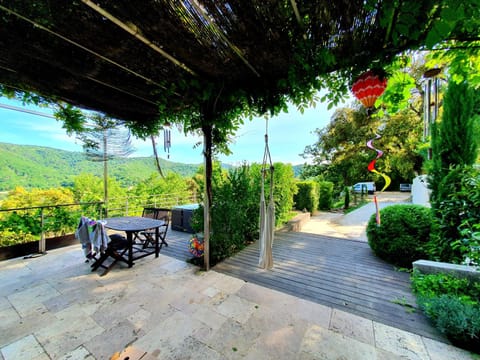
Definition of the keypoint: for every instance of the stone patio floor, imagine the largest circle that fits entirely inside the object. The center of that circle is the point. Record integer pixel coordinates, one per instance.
(54, 307)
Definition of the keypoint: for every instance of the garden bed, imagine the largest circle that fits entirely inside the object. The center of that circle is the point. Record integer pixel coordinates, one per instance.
(449, 295)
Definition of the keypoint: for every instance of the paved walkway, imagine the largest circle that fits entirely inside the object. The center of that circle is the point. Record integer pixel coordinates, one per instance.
(53, 307)
(352, 225)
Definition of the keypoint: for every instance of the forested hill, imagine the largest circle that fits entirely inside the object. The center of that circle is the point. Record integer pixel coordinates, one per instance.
(43, 167)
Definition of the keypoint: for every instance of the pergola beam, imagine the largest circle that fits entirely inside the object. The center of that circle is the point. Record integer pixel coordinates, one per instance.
(222, 36)
(80, 46)
(132, 29)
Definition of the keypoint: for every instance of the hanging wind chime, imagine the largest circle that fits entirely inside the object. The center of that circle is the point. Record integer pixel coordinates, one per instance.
(367, 88)
(167, 139)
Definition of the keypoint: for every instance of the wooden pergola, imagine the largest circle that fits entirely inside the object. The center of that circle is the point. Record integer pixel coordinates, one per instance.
(200, 62)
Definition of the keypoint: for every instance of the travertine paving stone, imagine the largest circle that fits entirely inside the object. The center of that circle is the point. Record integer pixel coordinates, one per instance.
(352, 326)
(399, 342)
(25, 348)
(319, 343)
(441, 351)
(31, 300)
(79, 353)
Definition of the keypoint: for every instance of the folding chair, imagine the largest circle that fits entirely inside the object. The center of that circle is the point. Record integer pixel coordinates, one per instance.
(116, 249)
(148, 212)
(147, 237)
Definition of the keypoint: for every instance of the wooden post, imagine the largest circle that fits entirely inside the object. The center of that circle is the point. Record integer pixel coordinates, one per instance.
(42, 248)
(207, 153)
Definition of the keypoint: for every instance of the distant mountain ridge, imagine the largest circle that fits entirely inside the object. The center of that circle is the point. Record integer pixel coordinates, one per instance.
(43, 167)
(32, 166)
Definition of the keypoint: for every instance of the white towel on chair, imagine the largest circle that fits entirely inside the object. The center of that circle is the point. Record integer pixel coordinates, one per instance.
(83, 235)
(100, 238)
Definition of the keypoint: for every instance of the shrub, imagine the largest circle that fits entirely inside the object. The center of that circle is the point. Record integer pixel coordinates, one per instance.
(284, 189)
(455, 234)
(452, 305)
(235, 206)
(402, 235)
(458, 320)
(9, 237)
(307, 196)
(430, 285)
(326, 195)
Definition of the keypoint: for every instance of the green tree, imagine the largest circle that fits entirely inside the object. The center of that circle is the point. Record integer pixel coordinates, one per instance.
(20, 197)
(170, 190)
(453, 138)
(89, 188)
(340, 155)
(56, 220)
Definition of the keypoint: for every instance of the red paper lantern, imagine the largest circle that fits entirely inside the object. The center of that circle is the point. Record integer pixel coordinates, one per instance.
(368, 87)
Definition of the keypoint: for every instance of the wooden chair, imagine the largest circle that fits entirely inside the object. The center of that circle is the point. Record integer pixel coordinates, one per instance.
(116, 249)
(147, 237)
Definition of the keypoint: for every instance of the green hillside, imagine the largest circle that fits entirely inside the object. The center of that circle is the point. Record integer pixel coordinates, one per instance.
(42, 167)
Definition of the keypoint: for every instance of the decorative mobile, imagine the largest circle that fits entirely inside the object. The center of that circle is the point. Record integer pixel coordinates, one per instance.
(371, 166)
(367, 88)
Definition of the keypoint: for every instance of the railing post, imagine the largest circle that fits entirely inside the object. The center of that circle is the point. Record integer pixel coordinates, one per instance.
(41, 243)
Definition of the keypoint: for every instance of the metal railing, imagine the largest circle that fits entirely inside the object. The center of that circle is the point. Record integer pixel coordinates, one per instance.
(133, 205)
(42, 216)
(125, 206)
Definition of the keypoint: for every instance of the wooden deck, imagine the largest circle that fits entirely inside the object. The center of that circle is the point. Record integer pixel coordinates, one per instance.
(335, 272)
(177, 245)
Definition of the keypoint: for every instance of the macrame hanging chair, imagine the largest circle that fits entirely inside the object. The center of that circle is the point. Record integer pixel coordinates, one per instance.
(267, 212)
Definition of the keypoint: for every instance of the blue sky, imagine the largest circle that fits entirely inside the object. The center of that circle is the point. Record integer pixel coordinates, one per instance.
(289, 133)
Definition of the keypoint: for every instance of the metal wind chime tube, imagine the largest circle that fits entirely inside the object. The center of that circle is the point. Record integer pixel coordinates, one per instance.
(430, 103)
(426, 110)
(167, 140)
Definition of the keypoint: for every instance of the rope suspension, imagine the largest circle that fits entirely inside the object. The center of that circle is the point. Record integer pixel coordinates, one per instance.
(267, 212)
(267, 160)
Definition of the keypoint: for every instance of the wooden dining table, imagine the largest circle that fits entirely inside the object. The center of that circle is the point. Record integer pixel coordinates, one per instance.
(131, 225)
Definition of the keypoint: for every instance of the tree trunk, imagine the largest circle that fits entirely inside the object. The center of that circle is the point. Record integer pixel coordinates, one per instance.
(207, 153)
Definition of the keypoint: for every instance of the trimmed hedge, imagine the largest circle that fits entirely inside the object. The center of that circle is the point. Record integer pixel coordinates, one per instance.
(325, 190)
(307, 196)
(403, 234)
